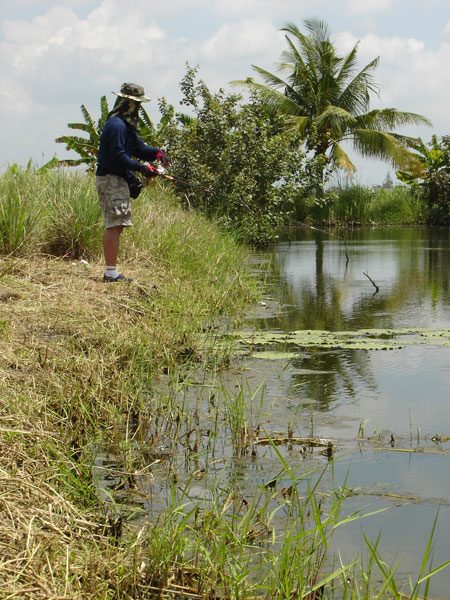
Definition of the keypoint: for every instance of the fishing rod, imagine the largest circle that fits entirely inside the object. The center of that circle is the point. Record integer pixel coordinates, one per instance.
(162, 173)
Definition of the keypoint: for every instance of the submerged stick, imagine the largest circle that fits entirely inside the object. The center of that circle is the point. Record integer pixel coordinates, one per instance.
(308, 441)
(377, 289)
(418, 450)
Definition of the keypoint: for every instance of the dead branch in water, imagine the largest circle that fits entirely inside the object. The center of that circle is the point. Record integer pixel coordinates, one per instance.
(377, 289)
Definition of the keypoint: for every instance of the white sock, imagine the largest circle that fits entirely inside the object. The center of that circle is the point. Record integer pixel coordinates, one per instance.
(111, 271)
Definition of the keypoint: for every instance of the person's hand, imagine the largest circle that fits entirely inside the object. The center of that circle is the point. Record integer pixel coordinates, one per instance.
(162, 158)
(149, 171)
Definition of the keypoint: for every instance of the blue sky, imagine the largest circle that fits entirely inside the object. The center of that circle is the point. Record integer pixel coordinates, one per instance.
(57, 55)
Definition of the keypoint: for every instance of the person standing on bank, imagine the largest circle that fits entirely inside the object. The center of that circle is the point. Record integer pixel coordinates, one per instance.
(119, 146)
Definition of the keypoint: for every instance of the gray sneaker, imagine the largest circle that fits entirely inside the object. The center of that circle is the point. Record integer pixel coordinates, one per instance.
(118, 278)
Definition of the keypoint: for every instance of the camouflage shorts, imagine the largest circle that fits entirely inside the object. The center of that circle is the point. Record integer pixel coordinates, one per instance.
(114, 197)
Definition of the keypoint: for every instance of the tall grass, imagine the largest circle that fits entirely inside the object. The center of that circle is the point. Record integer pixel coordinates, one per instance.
(359, 204)
(22, 200)
(73, 220)
(353, 203)
(53, 211)
(74, 356)
(397, 206)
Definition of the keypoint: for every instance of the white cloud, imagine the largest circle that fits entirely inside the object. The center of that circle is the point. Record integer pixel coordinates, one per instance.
(447, 31)
(246, 38)
(57, 61)
(295, 10)
(368, 6)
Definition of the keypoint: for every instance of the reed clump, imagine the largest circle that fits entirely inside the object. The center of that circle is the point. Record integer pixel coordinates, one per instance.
(358, 204)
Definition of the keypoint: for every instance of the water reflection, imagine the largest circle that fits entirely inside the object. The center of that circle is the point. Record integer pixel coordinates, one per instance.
(360, 399)
(319, 289)
(398, 394)
(323, 291)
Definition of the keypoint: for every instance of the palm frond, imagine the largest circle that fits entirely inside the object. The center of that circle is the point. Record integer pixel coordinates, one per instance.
(335, 119)
(390, 118)
(348, 65)
(356, 95)
(78, 144)
(273, 100)
(297, 124)
(81, 126)
(271, 79)
(74, 162)
(318, 29)
(406, 140)
(383, 145)
(293, 56)
(341, 159)
(146, 119)
(294, 59)
(104, 111)
(301, 74)
(306, 47)
(64, 139)
(53, 162)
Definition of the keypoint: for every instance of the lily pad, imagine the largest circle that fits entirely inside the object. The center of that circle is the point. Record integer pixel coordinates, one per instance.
(362, 339)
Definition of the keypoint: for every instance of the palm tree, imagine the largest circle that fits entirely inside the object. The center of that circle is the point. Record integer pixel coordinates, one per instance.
(326, 99)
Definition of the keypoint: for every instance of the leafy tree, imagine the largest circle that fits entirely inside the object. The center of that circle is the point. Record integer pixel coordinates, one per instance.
(87, 148)
(254, 170)
(326, 100)
(430, 173)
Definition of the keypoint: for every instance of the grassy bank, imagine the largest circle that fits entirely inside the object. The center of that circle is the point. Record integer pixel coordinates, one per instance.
(81, 363)
(74, 359)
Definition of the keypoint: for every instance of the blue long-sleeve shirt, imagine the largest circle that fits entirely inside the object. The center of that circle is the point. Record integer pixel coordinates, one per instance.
(118, 144)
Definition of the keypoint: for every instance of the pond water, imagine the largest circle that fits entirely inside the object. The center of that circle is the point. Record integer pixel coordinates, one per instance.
(375, 383)
(387, 410)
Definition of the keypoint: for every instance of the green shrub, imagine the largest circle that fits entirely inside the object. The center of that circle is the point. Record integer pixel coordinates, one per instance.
(240, 153)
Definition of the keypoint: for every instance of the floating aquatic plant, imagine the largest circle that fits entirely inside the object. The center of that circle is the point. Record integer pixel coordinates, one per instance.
(361, 339)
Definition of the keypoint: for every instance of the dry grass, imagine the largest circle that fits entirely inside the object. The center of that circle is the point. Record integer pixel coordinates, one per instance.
(72, 356)
(48, 307)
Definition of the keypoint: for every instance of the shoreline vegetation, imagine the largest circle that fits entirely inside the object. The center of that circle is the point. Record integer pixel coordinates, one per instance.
(77, 364)
(74, 357)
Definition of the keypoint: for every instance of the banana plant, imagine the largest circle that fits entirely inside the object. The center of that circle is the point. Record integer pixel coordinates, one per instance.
(431, 159)
(87, 147)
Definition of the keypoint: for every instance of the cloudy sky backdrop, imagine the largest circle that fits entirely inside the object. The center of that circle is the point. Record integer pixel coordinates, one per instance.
(57, 55)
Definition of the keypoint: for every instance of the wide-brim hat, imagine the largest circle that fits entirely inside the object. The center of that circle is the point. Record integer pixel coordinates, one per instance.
(133, 92)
